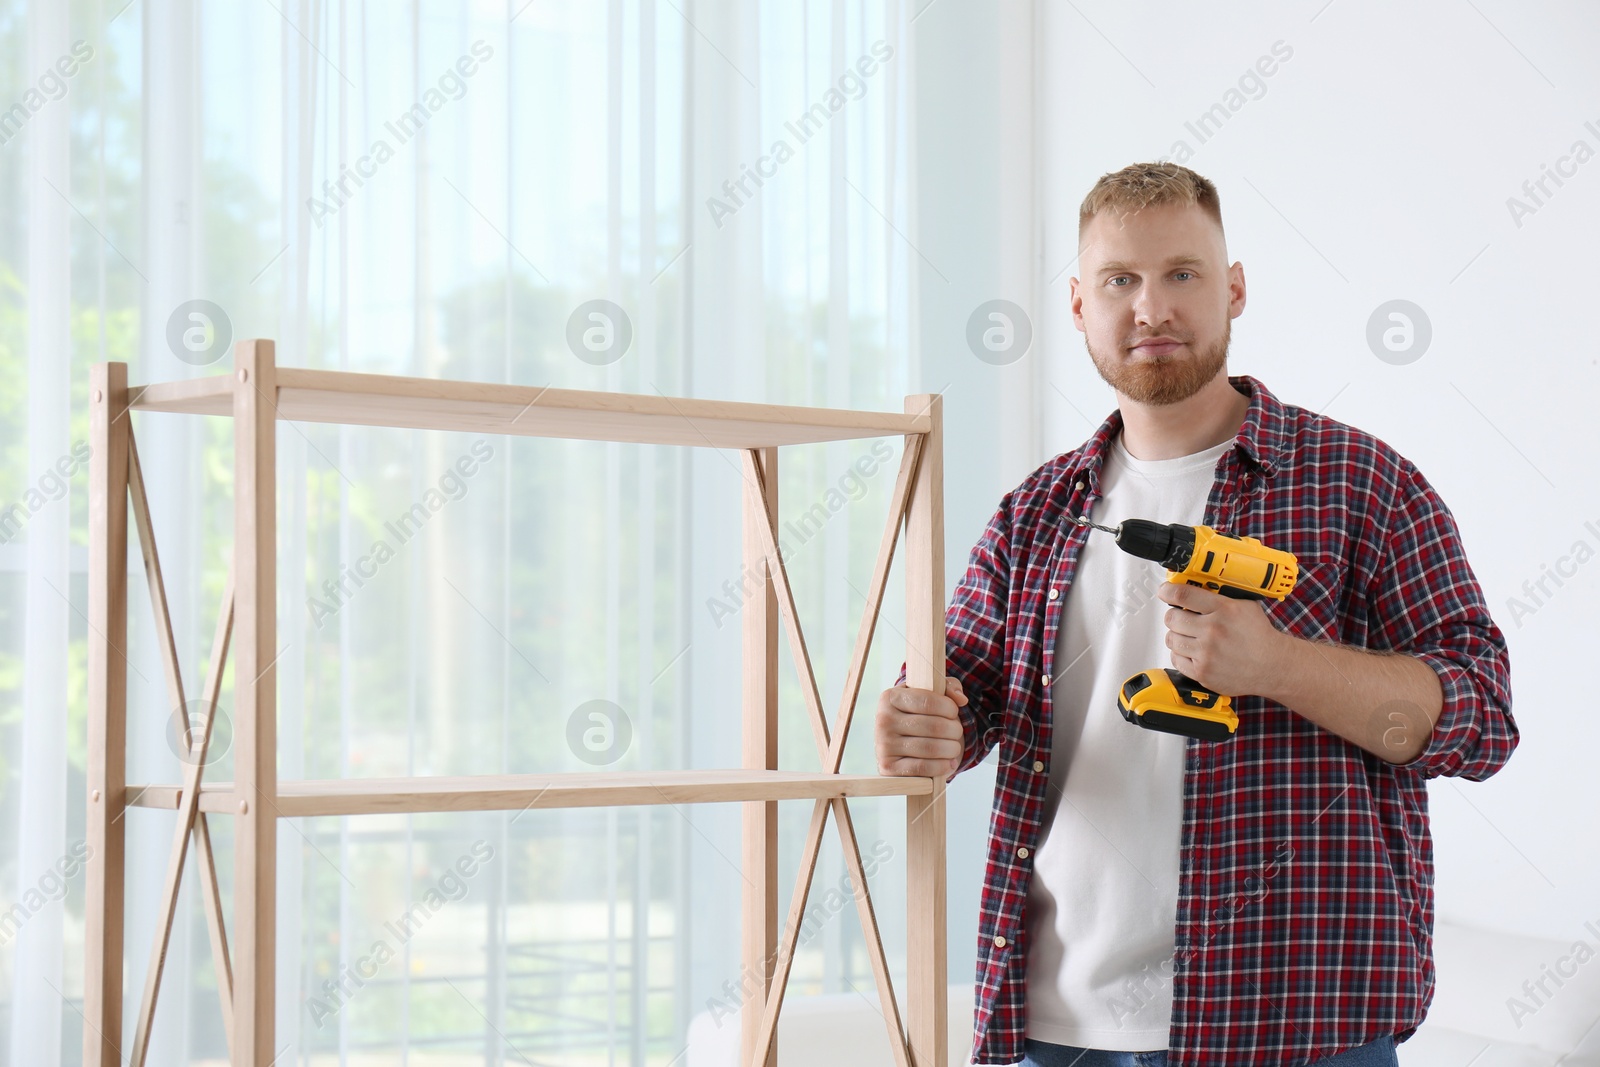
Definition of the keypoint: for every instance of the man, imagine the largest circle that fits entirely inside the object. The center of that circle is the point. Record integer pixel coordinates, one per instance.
(1152, 899)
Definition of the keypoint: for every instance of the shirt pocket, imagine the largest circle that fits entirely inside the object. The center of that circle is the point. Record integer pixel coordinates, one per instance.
(1311, 610)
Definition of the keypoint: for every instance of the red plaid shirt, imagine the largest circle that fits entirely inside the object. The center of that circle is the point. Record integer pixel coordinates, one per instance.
(1305, 893)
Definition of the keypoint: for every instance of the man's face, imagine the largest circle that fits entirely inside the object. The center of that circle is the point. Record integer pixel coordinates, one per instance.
(1157, 273)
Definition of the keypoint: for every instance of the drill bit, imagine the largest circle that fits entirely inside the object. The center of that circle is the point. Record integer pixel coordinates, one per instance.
(1083, 520)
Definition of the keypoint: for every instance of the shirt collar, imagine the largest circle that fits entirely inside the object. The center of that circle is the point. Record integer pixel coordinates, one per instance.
(1261, 438)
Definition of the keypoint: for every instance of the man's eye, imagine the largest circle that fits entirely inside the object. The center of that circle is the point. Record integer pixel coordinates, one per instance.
(1119, 278)
(1189, 273)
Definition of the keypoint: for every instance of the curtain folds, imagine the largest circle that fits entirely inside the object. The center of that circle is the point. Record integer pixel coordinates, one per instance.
(646, 196)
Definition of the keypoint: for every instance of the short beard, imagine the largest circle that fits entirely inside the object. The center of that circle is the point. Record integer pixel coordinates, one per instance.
(1164, 380)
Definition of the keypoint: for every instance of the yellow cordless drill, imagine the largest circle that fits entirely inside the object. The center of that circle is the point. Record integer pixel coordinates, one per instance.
(1242, 568)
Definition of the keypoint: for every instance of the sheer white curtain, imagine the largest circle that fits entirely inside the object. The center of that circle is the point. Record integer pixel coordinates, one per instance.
(444, 189)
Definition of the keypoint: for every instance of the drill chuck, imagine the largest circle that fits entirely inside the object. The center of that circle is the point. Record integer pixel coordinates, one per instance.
(1169, 544)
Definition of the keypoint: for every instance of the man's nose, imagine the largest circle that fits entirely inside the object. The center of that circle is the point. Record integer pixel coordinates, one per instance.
(1151, 308)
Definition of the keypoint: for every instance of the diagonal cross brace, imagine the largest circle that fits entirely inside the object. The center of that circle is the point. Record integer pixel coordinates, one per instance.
(831, 750)
(194, 768)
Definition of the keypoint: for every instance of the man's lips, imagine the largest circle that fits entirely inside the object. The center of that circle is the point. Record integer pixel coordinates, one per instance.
(1157, 348)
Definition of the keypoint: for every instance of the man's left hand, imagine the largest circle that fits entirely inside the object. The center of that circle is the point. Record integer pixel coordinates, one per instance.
(1229, 646)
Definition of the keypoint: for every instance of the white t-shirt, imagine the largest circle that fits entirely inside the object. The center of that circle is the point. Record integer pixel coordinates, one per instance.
(1103, 900)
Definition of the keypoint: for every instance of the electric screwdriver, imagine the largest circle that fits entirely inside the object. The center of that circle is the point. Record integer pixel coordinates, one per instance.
(1242, 568)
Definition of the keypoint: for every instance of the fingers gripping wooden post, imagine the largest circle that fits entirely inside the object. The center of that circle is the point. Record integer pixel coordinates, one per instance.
(255, 744)
(926, 978)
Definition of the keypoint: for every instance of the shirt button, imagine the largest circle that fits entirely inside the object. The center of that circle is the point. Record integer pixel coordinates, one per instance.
(1022, 853)
(1080, 484)
(999, 942)
(1046, 679)
(1038, 765)
(1054, 593)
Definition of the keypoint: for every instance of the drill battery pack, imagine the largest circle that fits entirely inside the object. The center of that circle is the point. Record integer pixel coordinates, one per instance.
(1169, 701)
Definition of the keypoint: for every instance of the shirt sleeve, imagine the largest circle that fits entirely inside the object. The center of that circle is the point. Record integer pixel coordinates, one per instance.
(975, 638)
(1425, 601)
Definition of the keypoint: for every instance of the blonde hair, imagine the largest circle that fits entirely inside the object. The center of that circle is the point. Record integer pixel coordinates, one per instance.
(1142, 185)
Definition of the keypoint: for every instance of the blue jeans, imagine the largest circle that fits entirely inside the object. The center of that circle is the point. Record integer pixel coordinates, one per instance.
(1379, 1053)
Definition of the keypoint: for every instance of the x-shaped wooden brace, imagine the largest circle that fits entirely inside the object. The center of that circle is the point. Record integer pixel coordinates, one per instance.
(831, 750)
(190, 820)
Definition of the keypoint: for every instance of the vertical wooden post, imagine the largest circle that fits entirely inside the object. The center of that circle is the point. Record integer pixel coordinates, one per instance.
(255, 713)
(760, 657)
(107, 757)
(926, 980)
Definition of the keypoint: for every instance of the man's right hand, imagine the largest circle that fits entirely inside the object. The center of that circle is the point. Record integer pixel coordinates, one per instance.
(918, 731)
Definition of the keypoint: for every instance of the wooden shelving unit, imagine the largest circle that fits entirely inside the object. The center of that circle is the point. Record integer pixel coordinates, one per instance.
(256, 395)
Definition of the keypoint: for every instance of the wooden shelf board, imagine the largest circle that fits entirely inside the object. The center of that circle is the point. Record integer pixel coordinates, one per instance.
(530, 411)
(510, 792)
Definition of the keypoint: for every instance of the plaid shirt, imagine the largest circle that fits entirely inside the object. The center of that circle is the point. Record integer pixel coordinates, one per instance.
(1305, 892)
